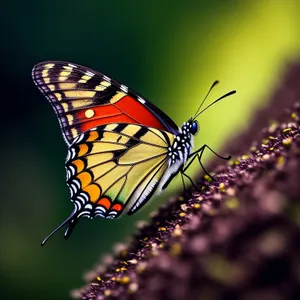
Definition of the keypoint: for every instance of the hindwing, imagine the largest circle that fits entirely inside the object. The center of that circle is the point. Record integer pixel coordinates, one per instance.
(116, 167)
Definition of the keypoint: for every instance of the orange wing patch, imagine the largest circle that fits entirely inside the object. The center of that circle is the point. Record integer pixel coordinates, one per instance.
(83, 149)
(79, 164)
(85, 179)
(94, 192)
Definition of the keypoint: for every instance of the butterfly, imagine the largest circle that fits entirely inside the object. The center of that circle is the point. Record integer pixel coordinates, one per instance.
(121, 148)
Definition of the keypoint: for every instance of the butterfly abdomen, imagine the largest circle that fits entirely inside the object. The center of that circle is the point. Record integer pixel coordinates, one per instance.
(178, 154)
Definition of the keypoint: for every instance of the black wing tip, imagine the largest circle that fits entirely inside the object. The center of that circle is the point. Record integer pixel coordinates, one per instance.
(57, 63)
(40, 66)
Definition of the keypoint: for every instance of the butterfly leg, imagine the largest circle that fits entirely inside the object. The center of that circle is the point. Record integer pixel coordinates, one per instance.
(192, 156)
(199, 159)
(185, 168)
(200, 150)
(190, 179)
(198, 153)
(184, 188)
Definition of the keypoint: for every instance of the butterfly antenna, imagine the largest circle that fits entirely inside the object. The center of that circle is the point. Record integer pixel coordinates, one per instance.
(213, 85)
(222, 97)
(69, 219)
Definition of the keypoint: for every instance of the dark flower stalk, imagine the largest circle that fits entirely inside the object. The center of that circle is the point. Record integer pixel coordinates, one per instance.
(238, 238)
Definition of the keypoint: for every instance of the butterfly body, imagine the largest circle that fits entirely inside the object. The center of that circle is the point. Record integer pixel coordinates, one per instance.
(121, 148)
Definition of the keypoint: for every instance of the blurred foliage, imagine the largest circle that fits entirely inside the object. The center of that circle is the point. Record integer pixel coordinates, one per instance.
(170, 52)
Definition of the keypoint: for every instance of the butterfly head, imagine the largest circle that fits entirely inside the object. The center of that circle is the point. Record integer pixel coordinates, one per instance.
(194, 127)
(190, 127)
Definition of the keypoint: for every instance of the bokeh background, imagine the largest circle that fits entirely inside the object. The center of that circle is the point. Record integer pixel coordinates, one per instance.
(170, 52)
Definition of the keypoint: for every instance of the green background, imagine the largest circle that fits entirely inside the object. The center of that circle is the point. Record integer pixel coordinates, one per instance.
(170, 52)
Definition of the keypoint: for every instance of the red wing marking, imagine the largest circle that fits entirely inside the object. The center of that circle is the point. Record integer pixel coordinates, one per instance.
(126, 110)
(97, 122)
(105, 202)
(139, 112)
(117, 207)
(103, 111)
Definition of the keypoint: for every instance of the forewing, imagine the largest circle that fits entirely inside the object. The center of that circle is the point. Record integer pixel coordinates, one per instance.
(83, 99)
(116, 166)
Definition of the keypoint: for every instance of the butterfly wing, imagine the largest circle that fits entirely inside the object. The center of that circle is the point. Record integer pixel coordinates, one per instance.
(116, 167)
(83, 99)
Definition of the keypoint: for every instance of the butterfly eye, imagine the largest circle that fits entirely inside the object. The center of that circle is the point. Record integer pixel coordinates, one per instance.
(194, 128)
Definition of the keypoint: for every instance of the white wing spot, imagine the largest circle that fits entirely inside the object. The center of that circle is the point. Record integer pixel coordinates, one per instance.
(71, 65)
(88, 73)
(76, 182)
(141, 100)
(80, 199)
(100, 214)
(83, 213)
(72, 170)
(84, 196)
(112, 214)
(106, 78)
(124, 88)
(101, 209)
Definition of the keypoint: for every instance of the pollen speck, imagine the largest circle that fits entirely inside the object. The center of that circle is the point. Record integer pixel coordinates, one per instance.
(89, 113)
